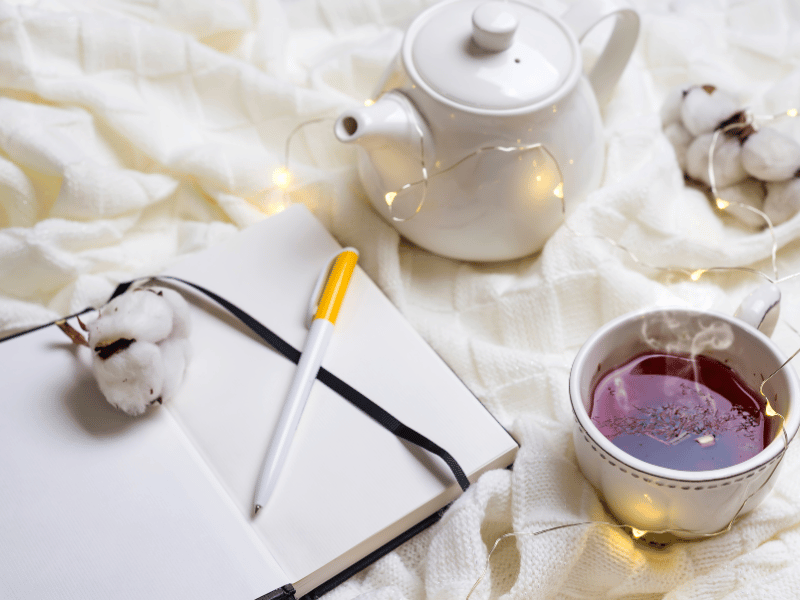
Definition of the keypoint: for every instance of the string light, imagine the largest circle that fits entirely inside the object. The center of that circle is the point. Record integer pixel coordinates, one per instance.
(751, 120)
(391, 197)
(530, 533)
(558, 191)
(282, 178)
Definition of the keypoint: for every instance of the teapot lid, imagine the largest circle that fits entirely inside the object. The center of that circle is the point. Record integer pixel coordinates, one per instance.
(495, 55)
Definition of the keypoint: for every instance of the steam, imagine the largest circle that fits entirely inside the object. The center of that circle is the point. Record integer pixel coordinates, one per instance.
(676, 336)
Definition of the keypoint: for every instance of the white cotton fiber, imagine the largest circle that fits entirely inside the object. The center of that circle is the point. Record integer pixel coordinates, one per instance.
(771, 155)
(728, 168)
(749, 192)
(783, 200)
(181, 324)
(703, 110)
(133, 378)
(680, 138)
(140, 347)
(140, 310)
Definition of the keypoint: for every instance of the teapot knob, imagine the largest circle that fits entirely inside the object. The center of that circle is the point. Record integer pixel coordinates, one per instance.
(493, 26)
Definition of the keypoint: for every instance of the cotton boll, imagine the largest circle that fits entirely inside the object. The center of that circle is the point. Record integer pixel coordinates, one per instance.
(728, 168)
(181, 324)
(140, 310)
(140, 344)
(680, 138)
(771, 155)
(133, 378)
(783, 200)
(750, 192)
(705, 107)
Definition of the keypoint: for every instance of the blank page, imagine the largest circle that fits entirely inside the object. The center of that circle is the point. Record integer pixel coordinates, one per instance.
(96, 504)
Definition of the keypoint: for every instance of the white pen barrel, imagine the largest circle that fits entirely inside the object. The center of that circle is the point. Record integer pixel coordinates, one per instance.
(304, 377)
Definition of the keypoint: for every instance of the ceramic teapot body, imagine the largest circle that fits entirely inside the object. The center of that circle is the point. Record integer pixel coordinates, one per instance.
(485, 128)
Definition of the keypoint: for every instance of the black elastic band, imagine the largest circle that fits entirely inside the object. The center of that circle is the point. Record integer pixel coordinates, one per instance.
(346, 391)
(38, 327)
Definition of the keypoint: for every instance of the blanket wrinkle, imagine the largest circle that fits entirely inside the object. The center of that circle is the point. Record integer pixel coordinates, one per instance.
(132, 133)
(17, 196)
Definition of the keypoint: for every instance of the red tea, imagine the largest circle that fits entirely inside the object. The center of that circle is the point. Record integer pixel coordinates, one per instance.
(680, 412)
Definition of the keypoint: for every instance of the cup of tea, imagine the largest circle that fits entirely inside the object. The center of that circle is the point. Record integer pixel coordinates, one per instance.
(672, 426)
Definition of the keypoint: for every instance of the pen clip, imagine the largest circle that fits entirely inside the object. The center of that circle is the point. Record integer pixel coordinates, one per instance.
(313, 304)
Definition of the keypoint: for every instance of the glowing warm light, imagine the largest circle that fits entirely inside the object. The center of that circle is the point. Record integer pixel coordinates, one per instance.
(559, 191)
(281, 177)
(369, 102)
(637, 533)
(769, 411)
(697, 274)
(722, 204)
(274, 208)
(390, 198)
(792, 112)
(647, 510)
(541, 183)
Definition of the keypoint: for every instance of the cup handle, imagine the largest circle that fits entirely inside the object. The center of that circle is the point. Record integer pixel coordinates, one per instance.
(582, 17)
(761, 308)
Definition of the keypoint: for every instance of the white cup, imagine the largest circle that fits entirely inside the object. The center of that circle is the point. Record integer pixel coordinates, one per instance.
(686, 504)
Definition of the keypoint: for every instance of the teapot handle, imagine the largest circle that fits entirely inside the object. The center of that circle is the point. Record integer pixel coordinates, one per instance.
(582, 17)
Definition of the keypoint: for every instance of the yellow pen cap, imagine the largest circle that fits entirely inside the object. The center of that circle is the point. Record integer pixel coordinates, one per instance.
(335, 287)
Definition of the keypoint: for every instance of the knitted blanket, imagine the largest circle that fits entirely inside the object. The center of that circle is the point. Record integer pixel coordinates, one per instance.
(132, 133)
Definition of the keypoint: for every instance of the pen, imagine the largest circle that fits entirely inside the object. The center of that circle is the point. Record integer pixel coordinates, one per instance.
(319, 336)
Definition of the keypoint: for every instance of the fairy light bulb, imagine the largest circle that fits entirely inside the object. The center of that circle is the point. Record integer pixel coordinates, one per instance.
(558, 192)
(369, 102)
(697, 274)
(637, 533)
(390, 198)
(281, 177)
(722, 204)
(792, 112)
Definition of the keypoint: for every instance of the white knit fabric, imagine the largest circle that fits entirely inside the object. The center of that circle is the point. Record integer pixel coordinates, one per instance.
(134, 132)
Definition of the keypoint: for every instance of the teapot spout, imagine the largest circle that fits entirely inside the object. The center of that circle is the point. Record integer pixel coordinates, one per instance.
(391, 123)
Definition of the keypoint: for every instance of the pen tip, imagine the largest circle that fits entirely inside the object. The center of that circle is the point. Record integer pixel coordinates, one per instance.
(256, 508)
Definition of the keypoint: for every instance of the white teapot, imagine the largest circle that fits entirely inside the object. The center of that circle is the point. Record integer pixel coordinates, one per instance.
(485, 126)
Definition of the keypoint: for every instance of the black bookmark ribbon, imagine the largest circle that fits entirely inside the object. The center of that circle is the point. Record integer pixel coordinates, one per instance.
(346, 391)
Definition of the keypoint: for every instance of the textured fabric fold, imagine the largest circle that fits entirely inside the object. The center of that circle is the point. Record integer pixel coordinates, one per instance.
(134, 132)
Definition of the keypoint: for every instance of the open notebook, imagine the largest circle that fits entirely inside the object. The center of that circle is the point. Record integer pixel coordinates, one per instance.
(96, 504)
